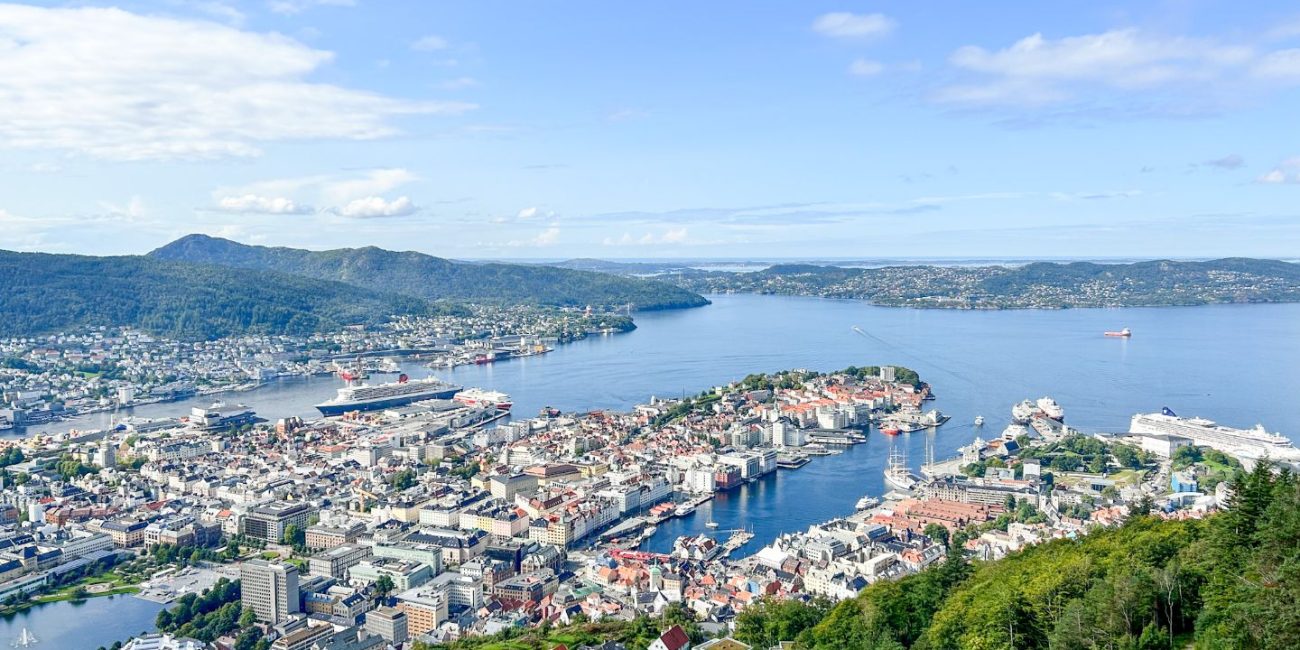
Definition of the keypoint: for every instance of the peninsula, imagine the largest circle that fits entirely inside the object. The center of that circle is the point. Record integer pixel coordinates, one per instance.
(1040, 285)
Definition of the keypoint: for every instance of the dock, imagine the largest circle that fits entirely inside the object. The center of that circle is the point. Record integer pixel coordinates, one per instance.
(623, 528)
(835, 437)
(738, 539)
(792, 461)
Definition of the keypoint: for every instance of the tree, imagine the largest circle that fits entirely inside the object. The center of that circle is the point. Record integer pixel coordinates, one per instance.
(679, 614)
(248, 638)
(937, 533)
(294, 536)
(1185, 456)
(384, 586)
(403, 479)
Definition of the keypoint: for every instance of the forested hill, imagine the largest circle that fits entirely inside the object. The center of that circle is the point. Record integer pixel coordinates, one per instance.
(41, 293)
(1041, 285)
(433, 278)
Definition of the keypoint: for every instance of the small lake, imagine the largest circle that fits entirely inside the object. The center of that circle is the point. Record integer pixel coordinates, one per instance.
(84, 625)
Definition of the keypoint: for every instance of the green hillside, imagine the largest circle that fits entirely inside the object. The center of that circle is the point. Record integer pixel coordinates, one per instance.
(434, 278)
(42, 293)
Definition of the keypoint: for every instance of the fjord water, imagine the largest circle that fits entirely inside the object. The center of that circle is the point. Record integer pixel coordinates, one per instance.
(1233, 363)
(1237, 364)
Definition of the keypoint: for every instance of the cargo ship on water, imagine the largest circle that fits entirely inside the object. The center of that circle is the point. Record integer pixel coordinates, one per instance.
(399, 393)
(484, 398)
(1121, 334)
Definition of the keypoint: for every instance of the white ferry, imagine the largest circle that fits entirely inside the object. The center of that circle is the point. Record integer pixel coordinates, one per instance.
(484, 398)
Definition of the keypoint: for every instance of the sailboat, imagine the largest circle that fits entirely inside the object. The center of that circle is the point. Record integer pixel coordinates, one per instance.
(898, 475)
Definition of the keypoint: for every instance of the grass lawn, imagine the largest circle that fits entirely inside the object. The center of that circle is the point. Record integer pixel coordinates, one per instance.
(1127, 477)
(107, 584)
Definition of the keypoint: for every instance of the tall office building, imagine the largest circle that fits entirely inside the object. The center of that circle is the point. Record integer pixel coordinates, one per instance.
(389, 623)
(269, 589)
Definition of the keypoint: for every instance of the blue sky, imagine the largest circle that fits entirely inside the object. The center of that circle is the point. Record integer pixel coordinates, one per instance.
(479, 129)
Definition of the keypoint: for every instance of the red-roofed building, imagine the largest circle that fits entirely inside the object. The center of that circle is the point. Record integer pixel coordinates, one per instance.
(674, 638)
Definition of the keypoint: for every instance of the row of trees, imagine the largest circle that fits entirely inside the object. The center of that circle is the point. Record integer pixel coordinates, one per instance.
(11, 456)
(215, 612)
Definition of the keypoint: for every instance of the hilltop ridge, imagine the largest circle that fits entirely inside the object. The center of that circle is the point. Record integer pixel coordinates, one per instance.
(435, 278)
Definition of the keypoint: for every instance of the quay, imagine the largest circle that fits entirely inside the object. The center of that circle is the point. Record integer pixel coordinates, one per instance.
(835, 437)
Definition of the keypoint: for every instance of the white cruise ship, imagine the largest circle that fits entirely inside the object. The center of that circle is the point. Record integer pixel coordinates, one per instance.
(1023, 412)
(1254, 443)
(399, 393)
(1051, 409)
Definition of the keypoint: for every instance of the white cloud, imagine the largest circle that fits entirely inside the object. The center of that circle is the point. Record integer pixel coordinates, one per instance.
(1287, 171)
(294, 7)
(116, 85)
(376, 181)
(1036, 70)
(1273, 177)
(459, 83)
(218, 10)
(429, 43)
(842, 24)
(627, 114)
(354, 193)
(252, 203)
(534, 212)
(132, 210)
(372, 207)
(674, 236)
(670, 236)
(1283, 65)
(866, 68)
(547, 237)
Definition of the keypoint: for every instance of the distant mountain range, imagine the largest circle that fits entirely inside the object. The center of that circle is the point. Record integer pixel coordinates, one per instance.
(434, 278)
(1040, 285)
(202, 287)
(42, 293)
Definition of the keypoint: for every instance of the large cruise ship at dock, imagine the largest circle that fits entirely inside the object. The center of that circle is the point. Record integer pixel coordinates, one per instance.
(1254, 443)
(399, 393)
